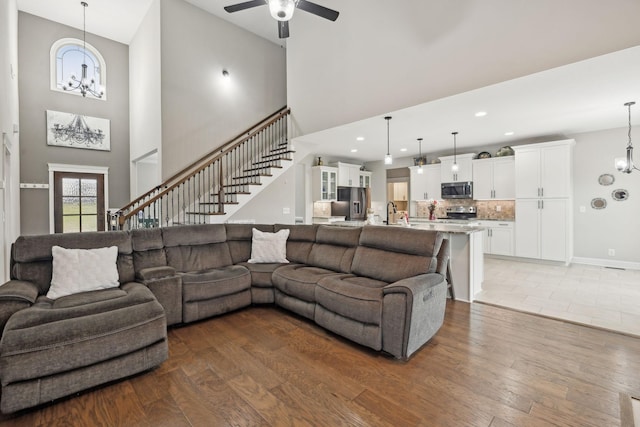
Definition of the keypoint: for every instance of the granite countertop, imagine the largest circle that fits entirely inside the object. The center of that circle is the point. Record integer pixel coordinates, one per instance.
(428, 225)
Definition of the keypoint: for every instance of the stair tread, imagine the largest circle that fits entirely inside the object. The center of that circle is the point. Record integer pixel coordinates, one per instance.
(216, 203)
(206, 213)
(253, 175)
(261, 168)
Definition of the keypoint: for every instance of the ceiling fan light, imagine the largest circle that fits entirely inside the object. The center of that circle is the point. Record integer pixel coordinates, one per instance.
(282, 10)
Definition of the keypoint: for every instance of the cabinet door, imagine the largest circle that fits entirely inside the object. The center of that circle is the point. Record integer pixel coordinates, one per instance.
(465, 170)
(482, 179)
(446, 175)
(365, 179)
(527, 228)
(527, 171)
(555, 174)
(502, 240)
(417, 184)
(553, 229)
(504, 172)
(432, 178)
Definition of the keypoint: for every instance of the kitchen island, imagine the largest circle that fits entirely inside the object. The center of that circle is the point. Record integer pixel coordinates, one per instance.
(467, 254)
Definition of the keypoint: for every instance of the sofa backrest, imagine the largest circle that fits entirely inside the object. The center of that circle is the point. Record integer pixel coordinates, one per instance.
(148, 248)
(334, 248)
(394, 253)
(300, 241)
(31, 258)
(196, 247)
(239, 239)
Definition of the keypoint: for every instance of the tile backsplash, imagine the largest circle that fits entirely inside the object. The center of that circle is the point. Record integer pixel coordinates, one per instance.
(487, 209)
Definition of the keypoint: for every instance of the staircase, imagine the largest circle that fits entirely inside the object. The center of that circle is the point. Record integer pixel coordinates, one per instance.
(217, 185)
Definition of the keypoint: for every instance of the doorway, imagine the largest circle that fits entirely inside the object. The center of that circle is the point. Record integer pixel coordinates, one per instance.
(78, 202)
(145, 174)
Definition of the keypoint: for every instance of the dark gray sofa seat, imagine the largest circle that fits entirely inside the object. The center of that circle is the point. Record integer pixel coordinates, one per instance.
(211, 284)
(54, 348)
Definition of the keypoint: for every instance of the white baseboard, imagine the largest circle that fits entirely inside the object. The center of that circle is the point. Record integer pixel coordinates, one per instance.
(627, 265)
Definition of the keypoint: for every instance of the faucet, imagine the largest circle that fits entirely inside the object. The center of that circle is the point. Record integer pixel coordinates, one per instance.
(393, 207)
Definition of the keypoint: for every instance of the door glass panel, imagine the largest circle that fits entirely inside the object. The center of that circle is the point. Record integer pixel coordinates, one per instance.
(70, 206)
(71, 223)
(89, 205)
(89, 223)
(89, 187)
(70, 187)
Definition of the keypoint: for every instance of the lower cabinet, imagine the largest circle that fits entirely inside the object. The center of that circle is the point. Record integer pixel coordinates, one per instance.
(498, 237)
(542, 230)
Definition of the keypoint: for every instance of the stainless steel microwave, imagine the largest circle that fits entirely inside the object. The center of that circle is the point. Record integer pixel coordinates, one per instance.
(457, 190)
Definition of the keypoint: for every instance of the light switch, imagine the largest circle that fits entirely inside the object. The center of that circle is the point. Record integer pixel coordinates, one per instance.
(583, 209)
(286, 211)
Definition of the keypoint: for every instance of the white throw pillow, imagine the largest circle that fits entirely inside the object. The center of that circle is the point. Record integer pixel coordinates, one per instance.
(269, 247)
(82, 270)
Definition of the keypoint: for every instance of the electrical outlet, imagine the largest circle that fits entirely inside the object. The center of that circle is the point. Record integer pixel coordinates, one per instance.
(612, 252)
(286, 211)
(498, 208)
(583, 209)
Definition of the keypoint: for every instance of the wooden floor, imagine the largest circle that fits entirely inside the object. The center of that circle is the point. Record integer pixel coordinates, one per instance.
(487, 366)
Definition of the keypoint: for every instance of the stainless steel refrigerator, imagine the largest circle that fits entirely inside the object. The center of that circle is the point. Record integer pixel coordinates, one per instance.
(352, 203)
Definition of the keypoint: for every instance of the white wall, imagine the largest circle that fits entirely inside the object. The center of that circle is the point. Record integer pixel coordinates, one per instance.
(145, 102)
(9, 116)
(200, 109)
(408, 54)
(617, 226)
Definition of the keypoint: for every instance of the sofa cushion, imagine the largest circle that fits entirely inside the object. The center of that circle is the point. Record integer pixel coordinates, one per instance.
(203, 285)
(82, 270)
(353, 297)
(300, 241)
(299, 280)
(79, 330)
(261, 274)
(32, 259)
(334, 248)
(148, 248)
(392, 255)
(269, 247)
(239, 237)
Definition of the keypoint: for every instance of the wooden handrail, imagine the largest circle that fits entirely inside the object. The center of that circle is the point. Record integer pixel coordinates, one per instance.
(200, 165)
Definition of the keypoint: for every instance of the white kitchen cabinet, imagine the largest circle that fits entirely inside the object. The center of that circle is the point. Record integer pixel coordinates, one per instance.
(364, 179)
(348, 174)
(498, 237)
(541, 229)
(543, 170)
(465, 168)
(494, 179)
(425, 186)
(325, 183)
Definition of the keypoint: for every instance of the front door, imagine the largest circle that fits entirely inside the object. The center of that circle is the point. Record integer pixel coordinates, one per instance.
(78, 202)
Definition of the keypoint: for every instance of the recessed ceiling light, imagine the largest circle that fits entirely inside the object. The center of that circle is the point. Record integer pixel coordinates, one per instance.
(354, 150)
(360, 138)
(481, 113)
(403, 149)
(508, 133)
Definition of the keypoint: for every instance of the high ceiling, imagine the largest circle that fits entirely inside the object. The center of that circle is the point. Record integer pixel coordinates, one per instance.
(581, 97)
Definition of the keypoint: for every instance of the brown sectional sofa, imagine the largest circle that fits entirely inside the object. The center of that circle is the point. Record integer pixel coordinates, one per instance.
(381, 287)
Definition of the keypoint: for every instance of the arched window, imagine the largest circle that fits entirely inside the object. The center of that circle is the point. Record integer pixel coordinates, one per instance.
(67, 57)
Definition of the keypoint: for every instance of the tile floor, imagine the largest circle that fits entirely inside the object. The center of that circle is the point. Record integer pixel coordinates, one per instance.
(598, 296)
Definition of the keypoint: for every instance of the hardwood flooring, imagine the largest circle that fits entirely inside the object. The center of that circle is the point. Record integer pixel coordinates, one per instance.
(487, 366)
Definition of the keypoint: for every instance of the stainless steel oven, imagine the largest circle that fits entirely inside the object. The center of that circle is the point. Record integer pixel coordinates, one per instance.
(457, 190)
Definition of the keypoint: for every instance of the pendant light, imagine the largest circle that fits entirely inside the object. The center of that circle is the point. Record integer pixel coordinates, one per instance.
(454, 166)
(625, 164)
(420, 155)
(388, 159)
(84, 84)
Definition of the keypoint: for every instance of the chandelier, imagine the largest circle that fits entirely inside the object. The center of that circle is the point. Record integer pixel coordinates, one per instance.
(78, 132)
(84, 85)
(625, 164)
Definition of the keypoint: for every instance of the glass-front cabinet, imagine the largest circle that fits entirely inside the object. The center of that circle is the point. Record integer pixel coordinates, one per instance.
(325, 183)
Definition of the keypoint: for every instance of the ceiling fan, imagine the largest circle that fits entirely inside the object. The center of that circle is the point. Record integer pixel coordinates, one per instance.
(282, 11)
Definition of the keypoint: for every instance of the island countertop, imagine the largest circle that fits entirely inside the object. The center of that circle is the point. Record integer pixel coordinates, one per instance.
(426, 225)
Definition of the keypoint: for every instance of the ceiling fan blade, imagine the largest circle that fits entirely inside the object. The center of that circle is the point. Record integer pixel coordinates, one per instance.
(283, 29)
(246, 5)
(318, 10)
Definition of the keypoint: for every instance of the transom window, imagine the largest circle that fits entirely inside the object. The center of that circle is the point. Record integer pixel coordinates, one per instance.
(67, 57)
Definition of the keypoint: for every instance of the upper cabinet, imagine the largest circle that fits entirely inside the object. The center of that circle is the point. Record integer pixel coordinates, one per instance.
(465, 168)
(325, 183)
(425, 185)
(543, 170)
(348, 175)
(365, 179)
(493, 179)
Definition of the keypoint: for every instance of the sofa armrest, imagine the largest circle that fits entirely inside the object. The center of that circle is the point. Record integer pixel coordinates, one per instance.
(154, 273)
(412, 312)
(15, 295)
(19, 290)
